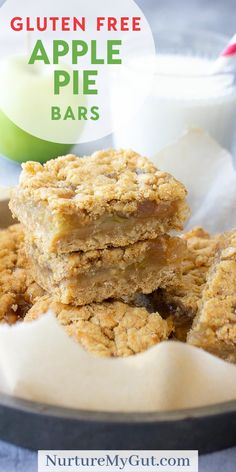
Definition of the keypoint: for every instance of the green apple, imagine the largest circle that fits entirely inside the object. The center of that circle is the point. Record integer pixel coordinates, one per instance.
(20, 146)
(27, 131)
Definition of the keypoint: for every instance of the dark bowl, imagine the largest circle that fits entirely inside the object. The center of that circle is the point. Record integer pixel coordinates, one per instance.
(39, 426)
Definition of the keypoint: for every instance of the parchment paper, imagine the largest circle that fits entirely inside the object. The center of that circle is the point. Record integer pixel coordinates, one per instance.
(38, 361)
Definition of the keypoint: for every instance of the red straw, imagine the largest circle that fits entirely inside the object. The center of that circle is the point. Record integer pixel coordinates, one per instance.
(227, 59)
(230, 49)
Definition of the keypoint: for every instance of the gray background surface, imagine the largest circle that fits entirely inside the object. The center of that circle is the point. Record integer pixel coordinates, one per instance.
(214, 15)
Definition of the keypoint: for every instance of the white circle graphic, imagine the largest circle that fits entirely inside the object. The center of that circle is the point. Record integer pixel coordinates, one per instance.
(79, 84)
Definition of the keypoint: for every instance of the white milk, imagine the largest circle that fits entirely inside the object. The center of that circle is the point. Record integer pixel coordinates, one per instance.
(184, 94)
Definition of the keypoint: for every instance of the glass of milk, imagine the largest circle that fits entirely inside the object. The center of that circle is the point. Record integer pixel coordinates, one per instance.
(184, 94)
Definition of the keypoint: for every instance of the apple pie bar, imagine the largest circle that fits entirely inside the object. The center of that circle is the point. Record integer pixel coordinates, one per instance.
(109, 329)
(214, 328)
(180, 301)
(80, 278)
(18, 291)
(112, 198)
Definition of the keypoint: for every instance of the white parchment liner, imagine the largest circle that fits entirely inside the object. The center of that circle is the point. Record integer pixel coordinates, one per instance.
(38, 361)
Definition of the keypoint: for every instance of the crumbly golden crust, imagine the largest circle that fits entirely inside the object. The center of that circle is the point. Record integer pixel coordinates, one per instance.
(214, 327)
(91, 183)
(18, 291)
(83, 278)
(110, 329)
(68, 194)
(180, 301)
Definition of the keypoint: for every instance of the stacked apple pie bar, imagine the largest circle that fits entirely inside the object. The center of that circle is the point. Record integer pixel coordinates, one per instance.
(96, 232)
(96, 227)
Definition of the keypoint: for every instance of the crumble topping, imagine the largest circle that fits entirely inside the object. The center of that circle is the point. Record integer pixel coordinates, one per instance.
(214, 327)
(94, 183)
(17, 288)
(108, 329)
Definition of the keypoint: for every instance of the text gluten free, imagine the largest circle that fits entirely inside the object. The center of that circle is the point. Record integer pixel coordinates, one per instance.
(66, 23)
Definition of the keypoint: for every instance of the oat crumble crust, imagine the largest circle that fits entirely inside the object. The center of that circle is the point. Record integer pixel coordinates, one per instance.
(92, 183)
(180, 301)
(18, 291)
(214, 327)
(110, 329)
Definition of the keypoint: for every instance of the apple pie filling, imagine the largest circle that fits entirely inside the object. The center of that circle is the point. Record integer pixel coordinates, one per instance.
(63, 232)
(110, 224)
